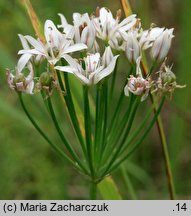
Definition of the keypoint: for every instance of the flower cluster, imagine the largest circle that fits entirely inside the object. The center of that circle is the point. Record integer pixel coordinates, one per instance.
(87, 36)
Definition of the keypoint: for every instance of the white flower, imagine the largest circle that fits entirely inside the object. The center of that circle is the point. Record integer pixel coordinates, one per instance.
(56, 47)
(109, 29)
(138, 85)
(21, 83)
(91, 70)
(147, 37)
(162, 45)
(84, 29)
(132, 47)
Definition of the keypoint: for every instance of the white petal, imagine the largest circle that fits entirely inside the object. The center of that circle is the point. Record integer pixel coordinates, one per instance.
(126, 90)
(24, 42)
(35, 43)
(75, 47)
(128, 23)
(66, 69)
(64, 22)
(23, 61)
(107, 71)
(72, 62)
(30, 88)
(53, 36)
(32, 51)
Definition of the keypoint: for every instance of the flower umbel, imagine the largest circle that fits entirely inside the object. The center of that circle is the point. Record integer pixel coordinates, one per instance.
(99, 38)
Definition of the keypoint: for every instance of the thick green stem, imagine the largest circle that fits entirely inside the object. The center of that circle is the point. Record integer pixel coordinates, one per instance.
(93, 191)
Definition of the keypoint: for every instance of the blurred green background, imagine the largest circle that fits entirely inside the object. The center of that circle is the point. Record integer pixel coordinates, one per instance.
(29, 169)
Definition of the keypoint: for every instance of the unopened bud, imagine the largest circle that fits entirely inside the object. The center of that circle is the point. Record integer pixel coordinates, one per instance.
(46, 82)
(162, 45)
(46, 79)
(168, 77)
(107, 56)
(19, 78)
(132, 48)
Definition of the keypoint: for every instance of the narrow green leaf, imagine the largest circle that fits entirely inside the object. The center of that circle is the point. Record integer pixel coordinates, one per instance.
(109, 190)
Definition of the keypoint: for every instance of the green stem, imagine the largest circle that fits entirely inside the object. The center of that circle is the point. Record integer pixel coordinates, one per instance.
(152, 68)
(118, 149)
(104, 119)
(114, 137)
(140, 140)
(99, 117)
(168, 169)
(65, 142)
(56, 148)
(119, 104)
(135, 134)
(93, 191)
(71, 109)
(113, 81)
(87, 121)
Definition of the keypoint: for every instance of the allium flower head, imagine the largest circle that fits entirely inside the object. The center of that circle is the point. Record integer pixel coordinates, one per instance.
(57, 45)
(89, 70)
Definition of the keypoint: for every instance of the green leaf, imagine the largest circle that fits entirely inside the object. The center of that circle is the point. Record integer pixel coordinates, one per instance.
(109, 190)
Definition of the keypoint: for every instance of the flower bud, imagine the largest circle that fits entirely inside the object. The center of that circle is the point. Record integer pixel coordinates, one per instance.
(162, 45)
(107, 56)
(132, 48)
(46, 82)
(168, 77)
